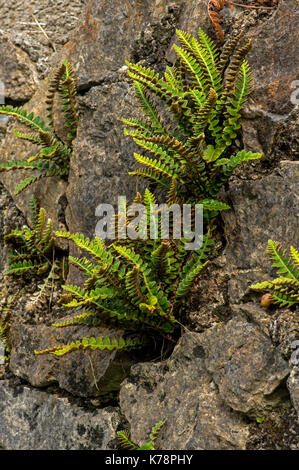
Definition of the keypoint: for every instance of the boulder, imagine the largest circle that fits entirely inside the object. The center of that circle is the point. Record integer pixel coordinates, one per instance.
(258, 214)
(182, 391)
(82, 373)
(35, 420)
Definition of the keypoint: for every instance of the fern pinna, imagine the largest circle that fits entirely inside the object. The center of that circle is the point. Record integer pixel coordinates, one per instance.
(285, 288)
(204, 92)
(126, 443)
(32, 248)
(134, 285)
(54, 156)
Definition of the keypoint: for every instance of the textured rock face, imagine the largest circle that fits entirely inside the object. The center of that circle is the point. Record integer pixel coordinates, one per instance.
(258, 214)
(273, 72)
(57, 18)
(245, 366)
(182, 391)
(214, 380)
(34, 420)
(79, 373)
(17, 72)
(228, 367)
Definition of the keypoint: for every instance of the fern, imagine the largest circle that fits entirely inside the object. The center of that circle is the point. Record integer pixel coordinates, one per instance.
(54, 156)
(5, 318)
(205, 109)
(134, 286)
(284, 289)
(32, 248)
(137, 285)
(126, 442)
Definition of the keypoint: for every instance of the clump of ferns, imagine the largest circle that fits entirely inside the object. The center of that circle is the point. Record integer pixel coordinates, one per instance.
(32, 249)
(285, 288)
(133, 285)
(5, 322)
(137, 285)
(53, 159)
(126, 443)
(204, 94)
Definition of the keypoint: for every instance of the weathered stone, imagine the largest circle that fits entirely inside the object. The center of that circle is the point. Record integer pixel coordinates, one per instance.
(181, 391)
(245, 366)
(255, 314)
(57, 18)
(273, 60)
(284, 330)
(258, 214)
(17, 73)
(293, 386)
(79, 372)
(231, 366)
(34, 420)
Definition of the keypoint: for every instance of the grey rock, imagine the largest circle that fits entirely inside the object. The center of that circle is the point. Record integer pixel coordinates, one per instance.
(293, 386)
(34, 420)
(258, 209)
(57, 18)
(80, 373)
(182, 391)
(202, 388)
(255, 314)
(17, 72)
(245, 365)
(273, 60)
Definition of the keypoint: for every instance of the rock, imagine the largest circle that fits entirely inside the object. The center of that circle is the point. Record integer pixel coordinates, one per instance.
(293, 386)
(273, 60)
(284, 330)
(17, 73)
(80, 373)
(182, 391)
(202, 388)
(245, 366)
(58, 21)
(258, 208)
(34, 420)
(255, 314)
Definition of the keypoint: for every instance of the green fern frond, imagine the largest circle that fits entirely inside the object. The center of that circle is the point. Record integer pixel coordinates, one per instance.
(53, 158)
(284, 289)
(186, 283)
(125, 441)
(92, 344)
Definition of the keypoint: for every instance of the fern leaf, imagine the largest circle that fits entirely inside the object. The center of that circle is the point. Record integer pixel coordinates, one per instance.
(125, 441)
(281, 262)
(187, 282)
(93, 344)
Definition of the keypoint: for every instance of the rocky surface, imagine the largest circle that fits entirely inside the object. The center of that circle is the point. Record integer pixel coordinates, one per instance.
(257, 214)
(230, 368)
(82, 374)
(34, 420)
(157, 391)
(234, 369)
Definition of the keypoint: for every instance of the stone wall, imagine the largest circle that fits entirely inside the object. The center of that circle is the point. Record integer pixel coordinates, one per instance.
(234, 368)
